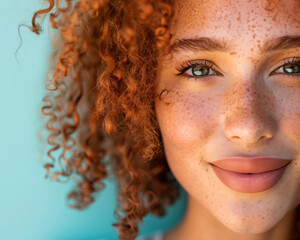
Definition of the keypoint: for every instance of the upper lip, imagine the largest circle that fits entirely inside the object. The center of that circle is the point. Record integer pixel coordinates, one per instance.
(251, 164)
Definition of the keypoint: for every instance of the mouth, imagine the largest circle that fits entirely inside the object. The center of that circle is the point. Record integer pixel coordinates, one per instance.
(251, 164)
(252, 173)
(249, 182)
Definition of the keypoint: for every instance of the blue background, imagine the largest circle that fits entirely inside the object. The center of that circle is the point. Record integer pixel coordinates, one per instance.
(31, 206)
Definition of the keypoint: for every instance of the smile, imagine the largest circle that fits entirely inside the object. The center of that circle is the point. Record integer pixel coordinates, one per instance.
(249, 182)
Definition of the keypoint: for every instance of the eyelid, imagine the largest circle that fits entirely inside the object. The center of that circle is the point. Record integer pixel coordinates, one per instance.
(286, 61)
(211, 70)
(189, 64)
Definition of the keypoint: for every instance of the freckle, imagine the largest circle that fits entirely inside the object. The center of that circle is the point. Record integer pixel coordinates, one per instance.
(259, 46)
(239, 17)
(254, 35)
(232, 53)
(251, 49)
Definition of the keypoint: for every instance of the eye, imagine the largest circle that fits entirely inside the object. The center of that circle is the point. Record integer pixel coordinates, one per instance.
(196, 69)
(291, 67)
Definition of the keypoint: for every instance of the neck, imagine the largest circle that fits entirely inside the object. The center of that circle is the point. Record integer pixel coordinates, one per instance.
(198, 223)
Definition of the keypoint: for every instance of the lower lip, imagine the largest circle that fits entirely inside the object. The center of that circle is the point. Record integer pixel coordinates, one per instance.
(249, 183)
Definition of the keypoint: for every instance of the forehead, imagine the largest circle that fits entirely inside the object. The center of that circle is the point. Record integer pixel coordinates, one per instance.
(236, 20)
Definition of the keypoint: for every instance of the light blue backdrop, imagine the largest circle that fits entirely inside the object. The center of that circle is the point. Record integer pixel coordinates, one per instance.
(32, 207)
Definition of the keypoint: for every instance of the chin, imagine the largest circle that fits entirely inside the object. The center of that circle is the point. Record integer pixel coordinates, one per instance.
(250, 224)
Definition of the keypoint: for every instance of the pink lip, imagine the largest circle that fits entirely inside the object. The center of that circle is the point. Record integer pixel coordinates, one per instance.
(250, 175)
(251, 165)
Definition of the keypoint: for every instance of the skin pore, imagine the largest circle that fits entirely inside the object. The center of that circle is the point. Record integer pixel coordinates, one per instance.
(244, 105)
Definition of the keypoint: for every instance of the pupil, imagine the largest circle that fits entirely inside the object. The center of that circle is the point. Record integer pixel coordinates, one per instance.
(200, 70)
(291, 68)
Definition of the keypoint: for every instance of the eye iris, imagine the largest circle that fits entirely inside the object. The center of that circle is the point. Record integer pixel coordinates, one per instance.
(200, 70)
(289, 68)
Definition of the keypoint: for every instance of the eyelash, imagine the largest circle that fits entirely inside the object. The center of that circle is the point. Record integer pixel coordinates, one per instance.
(205, 63)
(190, 64)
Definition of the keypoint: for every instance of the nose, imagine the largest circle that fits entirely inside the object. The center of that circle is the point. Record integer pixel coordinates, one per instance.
(249, 114)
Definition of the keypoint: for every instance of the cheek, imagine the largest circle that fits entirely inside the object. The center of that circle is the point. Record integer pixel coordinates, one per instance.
(185, 119)
(186, 123)
(291, 124)
(289, 109)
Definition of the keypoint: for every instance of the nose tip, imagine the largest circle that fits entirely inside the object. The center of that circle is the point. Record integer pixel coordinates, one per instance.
(246, 133)
(249, 114)
(248, 138)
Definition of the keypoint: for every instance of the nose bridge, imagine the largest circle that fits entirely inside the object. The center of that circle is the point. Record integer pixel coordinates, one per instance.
(245, 96)
(248, 115)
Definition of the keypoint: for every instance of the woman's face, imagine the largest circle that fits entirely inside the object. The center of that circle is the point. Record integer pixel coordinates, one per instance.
(243, 105)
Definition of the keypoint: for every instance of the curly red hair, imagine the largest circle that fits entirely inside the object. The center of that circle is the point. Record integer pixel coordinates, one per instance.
(102, 90)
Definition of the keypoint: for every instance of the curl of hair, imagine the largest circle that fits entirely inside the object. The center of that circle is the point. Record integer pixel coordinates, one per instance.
(100, 104)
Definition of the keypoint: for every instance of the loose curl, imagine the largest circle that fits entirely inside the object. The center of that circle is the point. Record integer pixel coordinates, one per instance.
(100, 104)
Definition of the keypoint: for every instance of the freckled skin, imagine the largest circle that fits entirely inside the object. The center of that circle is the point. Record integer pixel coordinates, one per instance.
(243, 111)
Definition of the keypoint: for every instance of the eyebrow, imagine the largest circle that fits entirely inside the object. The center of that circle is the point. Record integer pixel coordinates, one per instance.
(212, 44)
